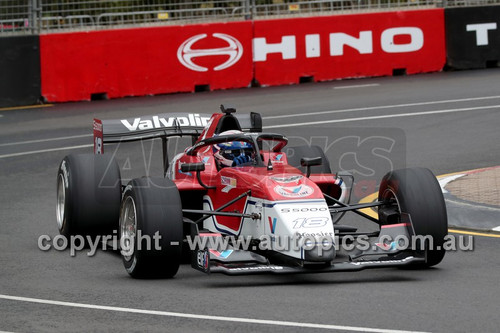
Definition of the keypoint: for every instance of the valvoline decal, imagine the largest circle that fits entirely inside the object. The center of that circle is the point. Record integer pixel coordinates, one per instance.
(272, 223)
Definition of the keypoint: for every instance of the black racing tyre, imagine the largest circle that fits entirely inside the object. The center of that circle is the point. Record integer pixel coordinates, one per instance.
(294, 154)
(88, 195)
(416, 191)
(151, 228)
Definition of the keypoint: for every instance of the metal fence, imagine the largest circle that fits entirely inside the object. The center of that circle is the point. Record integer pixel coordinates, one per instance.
(42, 16)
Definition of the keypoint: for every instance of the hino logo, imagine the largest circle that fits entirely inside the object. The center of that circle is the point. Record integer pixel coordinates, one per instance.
(185, 53)
(193, 120)
(392, 40)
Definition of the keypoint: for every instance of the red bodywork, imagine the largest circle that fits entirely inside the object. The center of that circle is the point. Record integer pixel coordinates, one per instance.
(282, 182)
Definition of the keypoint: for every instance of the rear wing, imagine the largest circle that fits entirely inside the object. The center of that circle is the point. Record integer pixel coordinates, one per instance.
(161, 126)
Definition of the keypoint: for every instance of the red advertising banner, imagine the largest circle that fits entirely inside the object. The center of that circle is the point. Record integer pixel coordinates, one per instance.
(149, 61)
(145, 61)
(344, 46)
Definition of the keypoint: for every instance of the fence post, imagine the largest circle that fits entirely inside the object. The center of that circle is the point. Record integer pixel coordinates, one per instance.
(247, 10)
(34, 15)
(254, 10)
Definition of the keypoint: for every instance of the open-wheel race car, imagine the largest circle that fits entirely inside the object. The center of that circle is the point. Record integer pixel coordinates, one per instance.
(239, 201)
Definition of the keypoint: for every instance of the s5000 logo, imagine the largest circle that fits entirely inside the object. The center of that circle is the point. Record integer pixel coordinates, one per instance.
(186, 54)
(304, 209)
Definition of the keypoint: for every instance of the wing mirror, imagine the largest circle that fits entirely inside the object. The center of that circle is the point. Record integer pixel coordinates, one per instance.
(198, 168)
(308, 162)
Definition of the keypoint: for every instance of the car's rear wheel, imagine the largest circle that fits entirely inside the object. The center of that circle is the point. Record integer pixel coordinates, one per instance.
(416, 191)
(151, 228)
(88, 195)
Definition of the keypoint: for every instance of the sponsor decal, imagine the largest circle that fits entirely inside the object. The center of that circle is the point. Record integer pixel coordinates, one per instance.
(203, 259)
(299, 191)
(221, 254)
(257, 268)
(183, 173)
(377, 262)
(205, 160)
(363, 43)
(272, 224)
(191, 120)
(387, 247)
(304, 210)
(229, 182)
(314, 234)
(98, 145)
(186, 54)
(287, 179)
(278, 158)
(97, 125)
(65, 174)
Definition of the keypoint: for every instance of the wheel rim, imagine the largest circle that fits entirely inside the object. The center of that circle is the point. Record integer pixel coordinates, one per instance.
(389, 195)
(61, 201)
(128, 228)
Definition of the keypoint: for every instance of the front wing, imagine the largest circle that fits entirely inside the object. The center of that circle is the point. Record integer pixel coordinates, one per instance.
(349, 266)
(241, 262)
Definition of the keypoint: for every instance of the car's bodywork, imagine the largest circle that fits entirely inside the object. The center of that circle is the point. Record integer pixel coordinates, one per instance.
(294, 209)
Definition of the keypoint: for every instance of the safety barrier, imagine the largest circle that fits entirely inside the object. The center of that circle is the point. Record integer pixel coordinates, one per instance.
(145, 61)
(19, 70)
(473, 37)
(334, 47)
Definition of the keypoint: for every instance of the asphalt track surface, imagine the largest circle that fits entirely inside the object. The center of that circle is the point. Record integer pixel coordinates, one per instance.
(449, 121)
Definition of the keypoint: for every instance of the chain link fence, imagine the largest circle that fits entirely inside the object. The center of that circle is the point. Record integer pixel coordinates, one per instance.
(43, 16)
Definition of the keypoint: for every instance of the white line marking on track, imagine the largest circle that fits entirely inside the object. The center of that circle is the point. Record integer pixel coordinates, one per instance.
(472, 205)
(444, 181)
(291, 115)
(296, 124)
(45, 140)
(496, 229)
(203, 317)
(385, 116)
(384, 107)
(44, 151)
(358, 86)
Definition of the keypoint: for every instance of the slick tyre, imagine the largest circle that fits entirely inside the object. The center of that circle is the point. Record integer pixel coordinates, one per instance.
(88, 195)
(416, 191)
(151, 228)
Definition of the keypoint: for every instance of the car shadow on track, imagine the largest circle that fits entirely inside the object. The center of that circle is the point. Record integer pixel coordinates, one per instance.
(297, 280)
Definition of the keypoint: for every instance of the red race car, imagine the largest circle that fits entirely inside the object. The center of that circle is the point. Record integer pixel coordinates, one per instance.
(238, 202)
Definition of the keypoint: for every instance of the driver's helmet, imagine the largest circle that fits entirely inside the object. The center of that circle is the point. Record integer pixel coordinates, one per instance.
(233, 153)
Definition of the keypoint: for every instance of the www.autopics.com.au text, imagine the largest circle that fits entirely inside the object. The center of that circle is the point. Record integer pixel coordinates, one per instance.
(324, 242)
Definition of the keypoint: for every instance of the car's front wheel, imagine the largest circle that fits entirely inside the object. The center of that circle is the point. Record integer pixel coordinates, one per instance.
(151, 230)
(416, 191)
